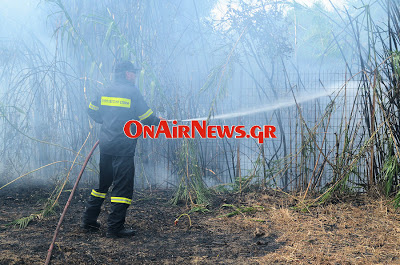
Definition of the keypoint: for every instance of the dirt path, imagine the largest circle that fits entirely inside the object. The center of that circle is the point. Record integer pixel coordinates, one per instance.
(268, 231)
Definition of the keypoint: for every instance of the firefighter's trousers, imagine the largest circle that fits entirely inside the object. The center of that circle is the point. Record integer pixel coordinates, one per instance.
(120, 171)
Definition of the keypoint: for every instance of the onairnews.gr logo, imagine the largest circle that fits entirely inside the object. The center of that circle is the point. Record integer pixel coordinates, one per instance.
(203, 130)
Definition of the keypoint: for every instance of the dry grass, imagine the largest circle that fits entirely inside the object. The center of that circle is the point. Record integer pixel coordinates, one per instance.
(359, 230)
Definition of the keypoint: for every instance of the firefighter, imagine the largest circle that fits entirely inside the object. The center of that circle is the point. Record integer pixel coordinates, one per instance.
(119, 103)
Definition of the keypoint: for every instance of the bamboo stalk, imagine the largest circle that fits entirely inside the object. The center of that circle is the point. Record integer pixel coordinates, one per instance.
(67, 204)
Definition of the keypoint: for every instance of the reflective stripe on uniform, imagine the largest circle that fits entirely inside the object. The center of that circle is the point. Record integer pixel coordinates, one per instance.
(93, 107)
(98, 194)
(121, 200)
(116, 102)
(146, 115)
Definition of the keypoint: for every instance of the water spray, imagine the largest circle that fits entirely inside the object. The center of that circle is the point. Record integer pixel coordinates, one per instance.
(279, 105)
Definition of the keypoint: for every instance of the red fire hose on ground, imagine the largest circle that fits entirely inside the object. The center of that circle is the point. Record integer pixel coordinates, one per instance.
(68, 203)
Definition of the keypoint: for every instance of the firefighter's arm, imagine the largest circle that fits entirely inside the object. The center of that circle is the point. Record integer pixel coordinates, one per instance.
(94, 111)
(146, 115)
(149, 118)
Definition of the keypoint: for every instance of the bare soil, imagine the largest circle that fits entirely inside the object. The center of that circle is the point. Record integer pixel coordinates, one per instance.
(357, 230)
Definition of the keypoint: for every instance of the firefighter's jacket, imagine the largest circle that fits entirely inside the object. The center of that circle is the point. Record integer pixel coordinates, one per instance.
(118, 104)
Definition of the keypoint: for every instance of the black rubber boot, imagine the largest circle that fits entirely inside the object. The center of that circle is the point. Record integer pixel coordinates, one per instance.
(92, 211)
(116, 218)
(90, 227)
(121, 233)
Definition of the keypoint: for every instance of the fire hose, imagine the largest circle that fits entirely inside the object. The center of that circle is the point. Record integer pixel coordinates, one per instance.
(68, 203)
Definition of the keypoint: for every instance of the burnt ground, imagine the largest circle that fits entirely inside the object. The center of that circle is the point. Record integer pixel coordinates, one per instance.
(357, 230)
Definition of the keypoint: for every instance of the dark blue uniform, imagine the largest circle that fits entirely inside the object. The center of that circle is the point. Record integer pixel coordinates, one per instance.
(119, 103)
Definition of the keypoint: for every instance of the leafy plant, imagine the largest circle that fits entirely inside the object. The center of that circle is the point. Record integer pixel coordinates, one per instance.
(241, 210)
(191, 187)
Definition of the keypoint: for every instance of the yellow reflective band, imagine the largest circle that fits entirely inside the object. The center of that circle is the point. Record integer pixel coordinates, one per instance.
(98, 194)
(146, 115)
(93, 107)
(121, 200)
(116, 102)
